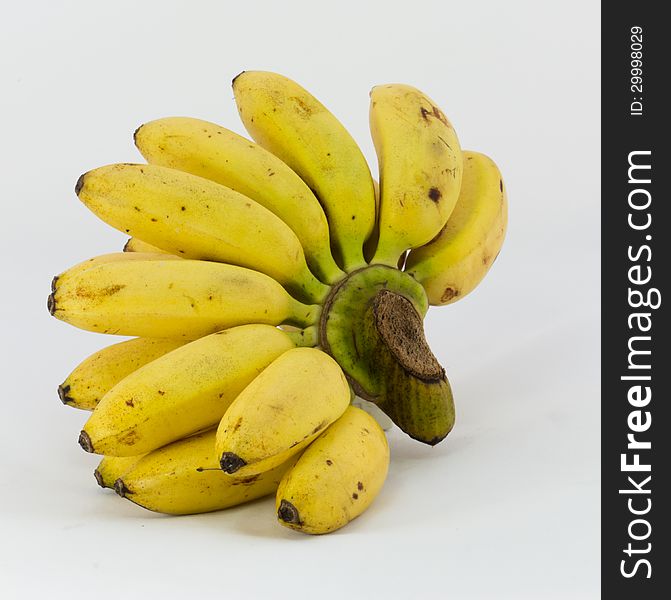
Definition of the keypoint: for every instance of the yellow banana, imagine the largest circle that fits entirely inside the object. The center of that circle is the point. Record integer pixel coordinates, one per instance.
(193, 217)
(420, 168)
(136, 245)
(168, 297)
(210, 151)
(453, 264)
(111, 468)
(281, 411)
(184, 478)
(99, 373)
(337, 477)
(289, 122)
(182, 392)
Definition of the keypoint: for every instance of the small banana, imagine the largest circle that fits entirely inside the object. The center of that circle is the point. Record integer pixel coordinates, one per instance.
(210, 151)
(279, 413)
(136, 245)
(184, 478)
(420, 168)
(170, 297)
(193, 217)
(99, 373)
(454, 263)
(337, 477)
(182, 392)
(111, 468)
(292, 124)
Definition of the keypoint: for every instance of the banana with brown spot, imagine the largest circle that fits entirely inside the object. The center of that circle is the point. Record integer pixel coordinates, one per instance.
(111, 468)
(183, 392)
(337, 477)
(169, 297)
(288, 121)
(420, 168)
(193, 217)
(454, 263)
(101, 371)
(286, 407)
(213, 152)
(184, 478)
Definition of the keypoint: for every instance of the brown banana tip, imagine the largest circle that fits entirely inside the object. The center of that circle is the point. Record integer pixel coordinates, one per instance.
(63, 391)
(99, 478)
(121, 488)
(135, 134)
(125, 246)
(231, 462)
(288, 513)
(80, 184)
(234, 78)
(85, 442)
(51, 304)
(54, 281)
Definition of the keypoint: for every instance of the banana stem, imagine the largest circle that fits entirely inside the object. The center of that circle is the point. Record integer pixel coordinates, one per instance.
(307, 337)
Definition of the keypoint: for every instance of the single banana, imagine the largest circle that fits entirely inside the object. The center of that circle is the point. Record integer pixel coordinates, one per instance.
(165, 298)
(182, 392)
(420, 168)
(184, 478)
(286, 407)
(99, 373)
(193, 217)
(454, 263)
(337, 477)
(210, 151)
(289, 122)
(111, 468)
(136, 245)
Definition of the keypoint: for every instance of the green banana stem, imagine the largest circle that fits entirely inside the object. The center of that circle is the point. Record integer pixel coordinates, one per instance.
(372, 325)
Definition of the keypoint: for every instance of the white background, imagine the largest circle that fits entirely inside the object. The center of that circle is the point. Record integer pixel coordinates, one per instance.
(508, 505)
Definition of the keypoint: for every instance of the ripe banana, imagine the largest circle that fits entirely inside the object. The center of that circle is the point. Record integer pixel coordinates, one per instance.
(99, 373)
(182, 392)
(193, 217)
(286, 407)
(337, 477)
(454, 263)
(111, 468)
(170, 297)
(210, 151)
(136, 245)
(420, 168)
(184, 478)
(288, 121)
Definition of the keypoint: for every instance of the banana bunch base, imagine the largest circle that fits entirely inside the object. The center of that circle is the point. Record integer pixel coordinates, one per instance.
(267, 285)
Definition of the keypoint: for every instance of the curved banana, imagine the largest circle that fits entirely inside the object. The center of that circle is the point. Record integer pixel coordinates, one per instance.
(337, 477)
(210, 151)
(281, 411)
(111, 468)
(99, 373)
(184, 478)
(420, 168)
(164, 297)
(182, 392)
(453, 264)
(136, 245)
(193, 217)
(289, 122)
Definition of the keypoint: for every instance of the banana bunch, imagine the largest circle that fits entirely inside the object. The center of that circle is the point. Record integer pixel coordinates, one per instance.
(265, 285)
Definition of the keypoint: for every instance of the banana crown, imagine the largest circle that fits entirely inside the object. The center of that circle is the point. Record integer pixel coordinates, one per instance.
(265, 283)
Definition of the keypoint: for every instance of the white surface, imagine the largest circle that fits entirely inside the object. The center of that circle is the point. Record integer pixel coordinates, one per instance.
(508, 505)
